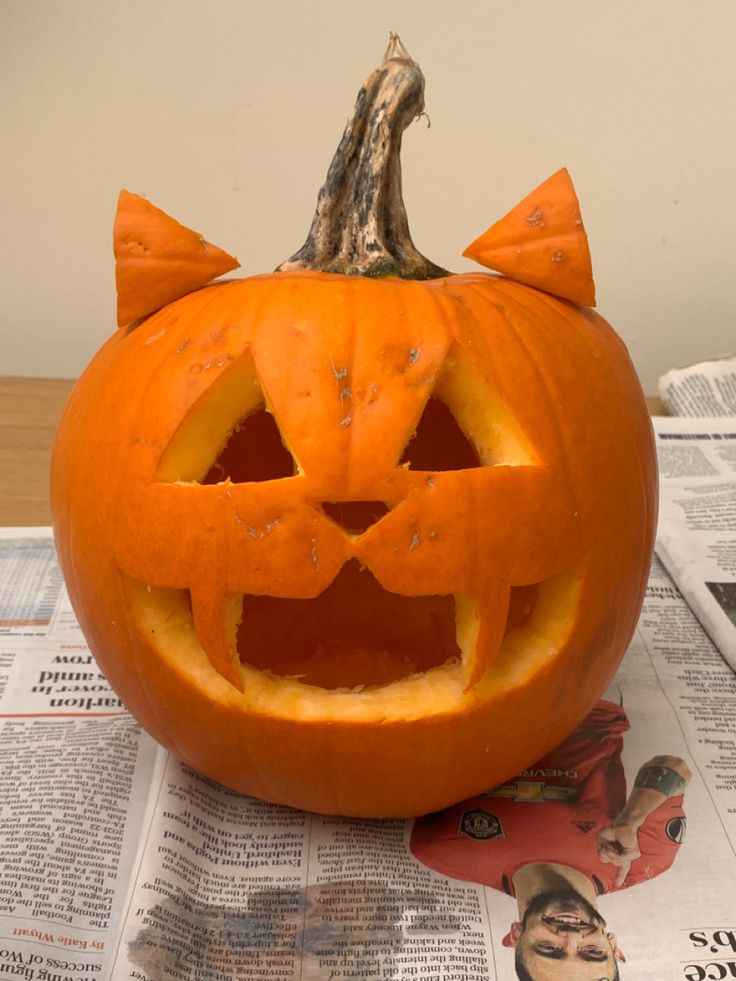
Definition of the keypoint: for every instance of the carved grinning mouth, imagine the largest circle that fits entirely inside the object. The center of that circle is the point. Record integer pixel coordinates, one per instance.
(356, 633)
(424, 648)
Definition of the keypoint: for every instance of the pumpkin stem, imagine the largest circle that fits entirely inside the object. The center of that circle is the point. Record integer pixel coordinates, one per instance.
(360, 226)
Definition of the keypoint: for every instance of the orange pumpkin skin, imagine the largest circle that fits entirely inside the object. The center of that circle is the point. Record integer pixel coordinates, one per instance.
(155, 561)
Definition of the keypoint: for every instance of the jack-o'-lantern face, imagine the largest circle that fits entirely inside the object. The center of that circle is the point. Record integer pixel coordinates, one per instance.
(357, 505)
(366, 516)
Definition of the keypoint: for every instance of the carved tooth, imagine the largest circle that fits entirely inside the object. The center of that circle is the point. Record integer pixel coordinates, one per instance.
(216, 618)
(480, 638)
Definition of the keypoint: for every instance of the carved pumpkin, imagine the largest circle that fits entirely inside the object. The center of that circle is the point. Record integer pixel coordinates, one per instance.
(360, 536)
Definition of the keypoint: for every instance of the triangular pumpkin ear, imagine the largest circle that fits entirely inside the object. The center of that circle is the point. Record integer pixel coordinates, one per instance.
(157, 260)
(542, 242)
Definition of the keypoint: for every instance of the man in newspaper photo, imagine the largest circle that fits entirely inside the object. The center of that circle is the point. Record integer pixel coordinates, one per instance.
(559, 836)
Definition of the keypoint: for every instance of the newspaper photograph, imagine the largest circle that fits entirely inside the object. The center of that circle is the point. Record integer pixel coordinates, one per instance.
(119, 862)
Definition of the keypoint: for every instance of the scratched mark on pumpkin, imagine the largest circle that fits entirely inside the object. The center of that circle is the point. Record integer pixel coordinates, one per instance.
(536, 219)
(339, 373)
(257, 534)
(154, 337)
(423, 381)
(135, 245)
(345, 394)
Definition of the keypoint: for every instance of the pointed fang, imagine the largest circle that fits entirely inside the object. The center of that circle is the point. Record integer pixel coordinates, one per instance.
(216, 617)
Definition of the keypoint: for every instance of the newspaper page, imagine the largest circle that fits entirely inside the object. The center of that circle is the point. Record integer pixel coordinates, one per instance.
(704, 389)
(696, 537)
(119, 862)
(75, 776)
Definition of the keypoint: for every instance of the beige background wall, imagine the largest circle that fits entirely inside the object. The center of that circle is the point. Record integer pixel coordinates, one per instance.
(226, 114)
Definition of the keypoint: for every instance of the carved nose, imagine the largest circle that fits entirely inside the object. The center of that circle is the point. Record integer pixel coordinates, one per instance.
(355, 517)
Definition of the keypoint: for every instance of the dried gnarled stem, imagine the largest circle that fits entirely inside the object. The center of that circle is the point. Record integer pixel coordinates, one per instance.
(360, 226)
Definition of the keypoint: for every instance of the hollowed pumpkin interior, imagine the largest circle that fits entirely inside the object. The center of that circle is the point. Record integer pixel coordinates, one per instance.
(539, 622)
(353, 633)
(356, 633)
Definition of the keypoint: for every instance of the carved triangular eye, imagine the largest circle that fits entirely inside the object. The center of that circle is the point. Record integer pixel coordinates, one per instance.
(228, 434)
(253, 452)
(438, 442)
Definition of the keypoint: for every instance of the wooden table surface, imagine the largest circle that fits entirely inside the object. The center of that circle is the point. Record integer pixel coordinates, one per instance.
(29, 413)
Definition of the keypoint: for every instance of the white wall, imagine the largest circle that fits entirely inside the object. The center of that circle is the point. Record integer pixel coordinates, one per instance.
(225, 113)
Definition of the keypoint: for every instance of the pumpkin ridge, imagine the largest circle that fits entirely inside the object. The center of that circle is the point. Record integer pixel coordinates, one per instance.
(564, 313)
(489, 369)
(510, 288)
(214, 303)
(648, 494)
(481, 289)
(532, 360)
(165, 363)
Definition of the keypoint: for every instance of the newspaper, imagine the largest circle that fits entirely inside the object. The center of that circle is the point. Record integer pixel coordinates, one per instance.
(697, 456)
(119, 862)
(696, 536)
(704, 389)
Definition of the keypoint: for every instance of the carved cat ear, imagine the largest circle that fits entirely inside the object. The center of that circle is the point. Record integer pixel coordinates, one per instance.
(157, 260)
(542, 242)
